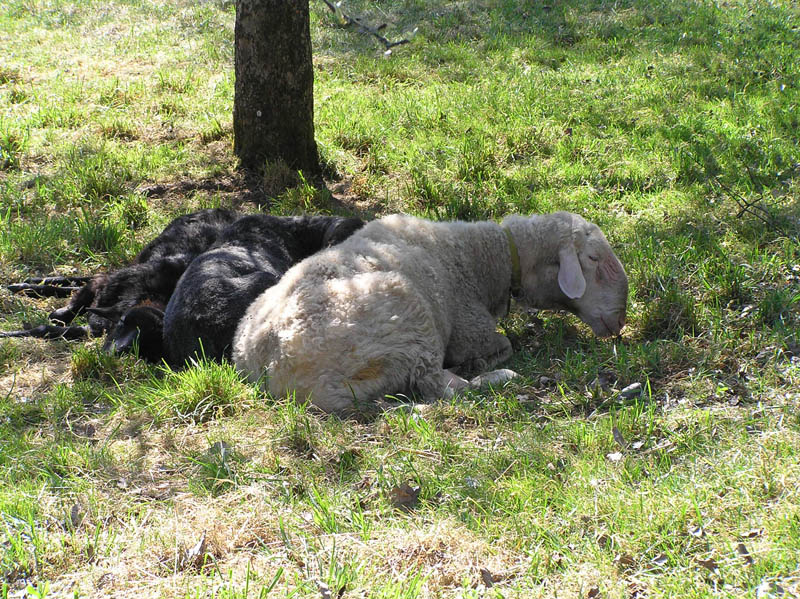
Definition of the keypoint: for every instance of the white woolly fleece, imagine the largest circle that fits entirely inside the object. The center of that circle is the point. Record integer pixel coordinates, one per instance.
(390, 308)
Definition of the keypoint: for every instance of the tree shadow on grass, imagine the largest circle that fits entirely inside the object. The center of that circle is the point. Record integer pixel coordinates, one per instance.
(235, 190)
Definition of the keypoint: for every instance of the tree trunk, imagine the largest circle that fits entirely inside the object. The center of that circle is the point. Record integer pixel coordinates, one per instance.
(273, 107)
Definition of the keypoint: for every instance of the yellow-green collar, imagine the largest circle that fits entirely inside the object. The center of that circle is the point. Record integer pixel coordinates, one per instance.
(516, 273)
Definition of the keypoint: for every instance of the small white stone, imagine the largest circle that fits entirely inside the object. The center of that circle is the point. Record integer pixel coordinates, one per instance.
(631, 391)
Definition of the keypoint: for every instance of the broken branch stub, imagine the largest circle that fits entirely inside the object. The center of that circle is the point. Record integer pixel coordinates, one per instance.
(345, 19)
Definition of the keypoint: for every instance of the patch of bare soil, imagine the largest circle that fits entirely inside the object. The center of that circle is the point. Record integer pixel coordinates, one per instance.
(44, 364)
(235, 190)
(240, 189)
(347, 198)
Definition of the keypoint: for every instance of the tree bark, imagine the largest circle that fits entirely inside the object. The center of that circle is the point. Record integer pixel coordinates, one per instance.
(273, 107)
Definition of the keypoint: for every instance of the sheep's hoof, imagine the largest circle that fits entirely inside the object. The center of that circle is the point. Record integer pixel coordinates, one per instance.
(494, 378)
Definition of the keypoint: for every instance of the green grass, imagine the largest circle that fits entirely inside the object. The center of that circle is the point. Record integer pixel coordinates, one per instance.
(673, 125)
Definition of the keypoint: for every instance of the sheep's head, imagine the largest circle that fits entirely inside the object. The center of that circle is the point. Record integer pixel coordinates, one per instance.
(339, 229)
(138, 329)
(566, 263)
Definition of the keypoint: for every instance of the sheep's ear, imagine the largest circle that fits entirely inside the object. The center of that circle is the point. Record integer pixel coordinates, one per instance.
(570, 275)
(340, 229)
(109, 313)
(174, 265)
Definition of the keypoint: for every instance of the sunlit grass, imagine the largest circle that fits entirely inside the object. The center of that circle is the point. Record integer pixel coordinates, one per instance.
(672, 125)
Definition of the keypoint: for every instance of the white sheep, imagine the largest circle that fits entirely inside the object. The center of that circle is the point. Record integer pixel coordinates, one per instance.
(404, 299)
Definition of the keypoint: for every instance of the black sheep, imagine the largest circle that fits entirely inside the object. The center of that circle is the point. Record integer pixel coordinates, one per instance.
(149, 280)
(217, 288)
(139, 329)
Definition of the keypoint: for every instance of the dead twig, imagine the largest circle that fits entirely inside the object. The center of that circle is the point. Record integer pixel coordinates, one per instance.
(365, 28)
(753, 207)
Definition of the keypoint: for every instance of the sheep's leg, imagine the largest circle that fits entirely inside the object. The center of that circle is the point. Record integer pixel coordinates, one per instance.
(439, 384)
(453, 384)
(494, 350)
(33, 290)
(48, 286)
(495, 378)
(498, 351)
(81, 300)
(58, 280)
(46, 331)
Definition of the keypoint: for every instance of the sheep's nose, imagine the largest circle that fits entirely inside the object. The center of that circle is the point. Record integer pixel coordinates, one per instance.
(621, 321)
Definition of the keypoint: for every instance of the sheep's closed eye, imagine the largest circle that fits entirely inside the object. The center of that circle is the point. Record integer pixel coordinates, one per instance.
(594, 258)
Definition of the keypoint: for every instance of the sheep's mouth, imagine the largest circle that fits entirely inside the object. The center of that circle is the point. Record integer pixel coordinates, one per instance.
(608, 330)
(598, 324)
(121, 342)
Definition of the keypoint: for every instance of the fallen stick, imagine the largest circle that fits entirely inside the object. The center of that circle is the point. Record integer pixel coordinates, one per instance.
(374, 31)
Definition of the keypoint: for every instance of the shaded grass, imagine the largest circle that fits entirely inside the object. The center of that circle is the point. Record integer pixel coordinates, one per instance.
(660, 122)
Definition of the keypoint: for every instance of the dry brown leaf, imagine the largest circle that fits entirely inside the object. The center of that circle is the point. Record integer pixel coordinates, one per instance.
(744, 554)
(624, 561)
(324, 590)
(365, 483)
(618, 437)
(636, 591)
(753, 533)
(660, 560)
(75, 516)
(709, 564)
(404, 496)
(487, 577)
(603, 540)
(593, 593)
(105, 580)
(769, 590)
(193, 557)
(697, 531)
